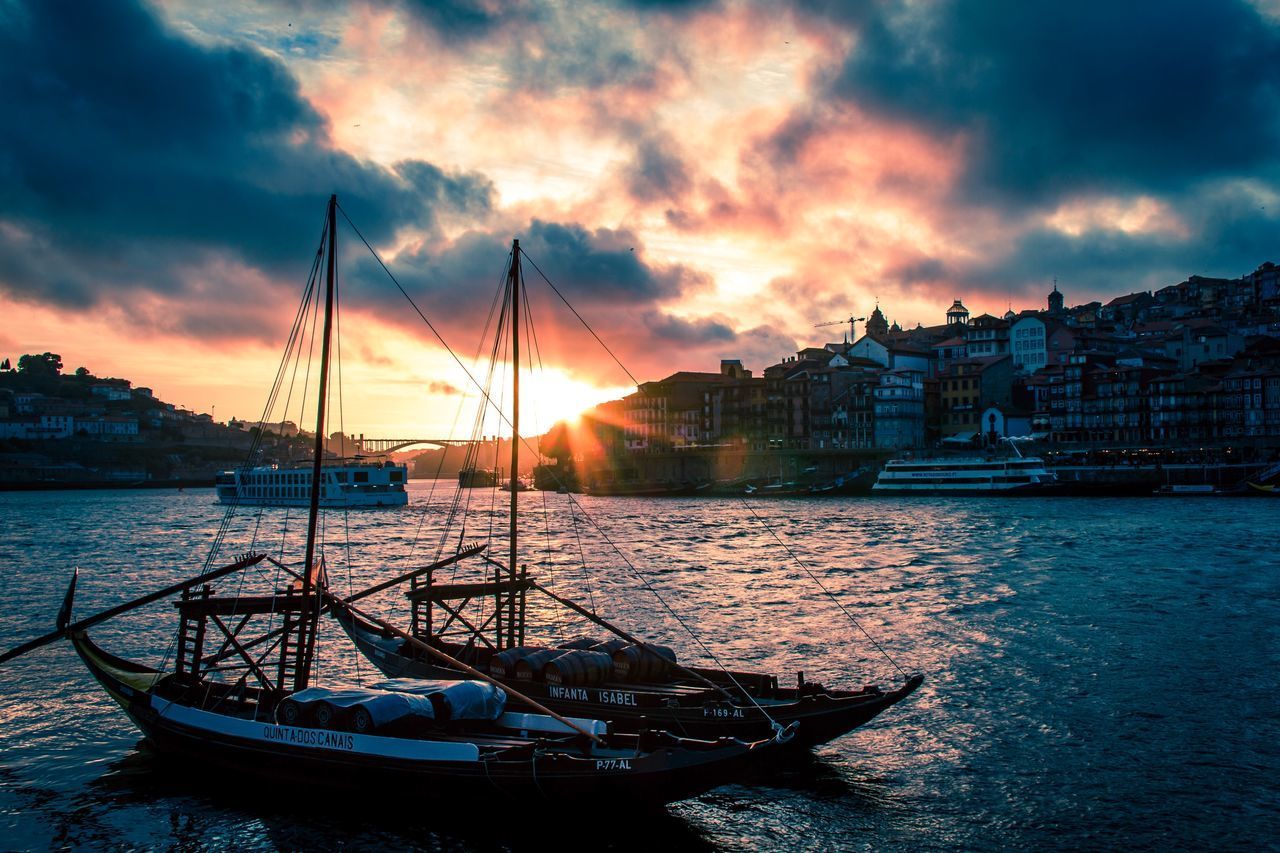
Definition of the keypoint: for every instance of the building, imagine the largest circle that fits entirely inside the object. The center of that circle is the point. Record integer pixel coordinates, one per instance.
(853, 408)
(667, 414)
(898, 401)
(957, 316)
(987, 336)
(969, 387)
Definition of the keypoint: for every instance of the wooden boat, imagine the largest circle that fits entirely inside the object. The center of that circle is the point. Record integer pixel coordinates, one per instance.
(623, 679)
(239, 696)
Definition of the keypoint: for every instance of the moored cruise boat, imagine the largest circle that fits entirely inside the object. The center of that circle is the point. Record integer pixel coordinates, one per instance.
(962, 477)
(348, 485)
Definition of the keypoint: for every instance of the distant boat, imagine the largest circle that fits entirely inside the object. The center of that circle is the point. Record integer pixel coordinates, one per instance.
(477, 478)
(966, 476)
(1266, 483)
(345, 486)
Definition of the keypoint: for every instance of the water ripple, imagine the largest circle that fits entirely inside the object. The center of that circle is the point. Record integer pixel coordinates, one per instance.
(1099, 673)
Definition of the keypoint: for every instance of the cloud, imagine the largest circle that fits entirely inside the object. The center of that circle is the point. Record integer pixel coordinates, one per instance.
(457, 19)
(627, 302)
(599, 267)
(1078, 96)
(443, 388)
(658, 172)
(140, 155)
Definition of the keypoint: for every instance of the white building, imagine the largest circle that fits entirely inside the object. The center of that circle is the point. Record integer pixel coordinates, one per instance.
(1028, 339)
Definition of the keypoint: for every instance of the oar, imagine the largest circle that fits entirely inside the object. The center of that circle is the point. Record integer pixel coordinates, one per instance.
(64, 614)
(469, 551)
(335, 601)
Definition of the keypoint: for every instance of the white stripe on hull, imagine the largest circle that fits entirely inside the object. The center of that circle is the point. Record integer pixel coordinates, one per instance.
(318, 739)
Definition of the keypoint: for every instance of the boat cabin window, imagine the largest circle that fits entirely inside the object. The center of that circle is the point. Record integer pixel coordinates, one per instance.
(362, 476)
(394, 475)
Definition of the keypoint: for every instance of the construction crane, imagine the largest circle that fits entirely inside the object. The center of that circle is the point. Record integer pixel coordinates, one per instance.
(853, 326)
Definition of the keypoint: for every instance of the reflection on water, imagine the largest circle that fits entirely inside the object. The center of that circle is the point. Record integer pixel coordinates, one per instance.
(1098, 672)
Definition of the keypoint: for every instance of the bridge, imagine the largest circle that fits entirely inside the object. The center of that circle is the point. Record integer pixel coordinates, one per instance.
(391, 445)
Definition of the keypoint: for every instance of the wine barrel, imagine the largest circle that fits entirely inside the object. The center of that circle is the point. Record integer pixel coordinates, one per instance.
(530, 667)
(578, 668)
(325, 715)
(289, 713)
(579, 643)
(635, 663)
(503, 664)
(610, 646)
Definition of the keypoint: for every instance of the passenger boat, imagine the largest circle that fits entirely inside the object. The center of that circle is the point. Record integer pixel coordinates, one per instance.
(348, 485)
(966, 476)
(239, 695)
(615, 675)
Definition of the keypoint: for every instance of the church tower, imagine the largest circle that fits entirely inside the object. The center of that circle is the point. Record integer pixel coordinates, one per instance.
(877, 325)
(957, 314)
(1055, 299)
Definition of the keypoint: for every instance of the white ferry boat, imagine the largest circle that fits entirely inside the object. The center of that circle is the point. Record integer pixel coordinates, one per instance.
(960, 477)
(348, 485)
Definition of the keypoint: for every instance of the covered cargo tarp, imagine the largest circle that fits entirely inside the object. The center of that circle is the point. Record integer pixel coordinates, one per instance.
(466, 700)
(383, 706)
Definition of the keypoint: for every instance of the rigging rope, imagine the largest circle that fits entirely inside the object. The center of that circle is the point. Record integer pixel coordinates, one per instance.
(584, 323)
(488, 398)
(822, 586)
(589, 518)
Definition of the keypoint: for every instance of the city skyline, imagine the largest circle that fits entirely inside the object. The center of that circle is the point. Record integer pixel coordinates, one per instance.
(704, 180)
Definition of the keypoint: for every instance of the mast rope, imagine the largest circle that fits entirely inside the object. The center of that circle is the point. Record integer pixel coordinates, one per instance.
(587, 516)
(489, 399)
(822, 586)
(584, 323)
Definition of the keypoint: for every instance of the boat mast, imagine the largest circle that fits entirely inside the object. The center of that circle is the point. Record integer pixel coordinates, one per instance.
(514, 282)
(311, 610)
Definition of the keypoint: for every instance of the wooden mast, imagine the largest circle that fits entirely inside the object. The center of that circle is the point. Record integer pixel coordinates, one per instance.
(514, 484)
(311, 611)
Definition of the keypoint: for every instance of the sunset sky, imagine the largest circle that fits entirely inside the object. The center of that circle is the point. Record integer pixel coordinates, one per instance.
(703, 180)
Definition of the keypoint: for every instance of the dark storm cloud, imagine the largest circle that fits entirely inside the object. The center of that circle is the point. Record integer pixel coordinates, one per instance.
(677, 330)
(657, 173)
(919, 270)
(456, 19)
(1232, 238)
(601, 273)
(1065, 98)
(588, 267)
(548, 47)
(131, 152)
(670, 6)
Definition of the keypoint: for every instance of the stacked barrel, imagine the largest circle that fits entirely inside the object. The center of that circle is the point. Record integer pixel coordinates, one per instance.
(584, 662)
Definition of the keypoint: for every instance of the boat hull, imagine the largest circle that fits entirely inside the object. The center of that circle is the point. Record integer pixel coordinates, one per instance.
(354, 486)
(819, 715)
(450, 768)
(1031, 490)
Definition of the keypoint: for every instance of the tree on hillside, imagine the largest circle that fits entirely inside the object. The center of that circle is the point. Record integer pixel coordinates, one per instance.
(82, 372)
(44, 365)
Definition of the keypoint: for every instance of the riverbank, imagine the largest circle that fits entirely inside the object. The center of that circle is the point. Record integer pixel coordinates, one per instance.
(90, 485)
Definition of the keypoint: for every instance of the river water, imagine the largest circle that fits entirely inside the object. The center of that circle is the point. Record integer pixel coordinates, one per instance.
(1098, 672)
